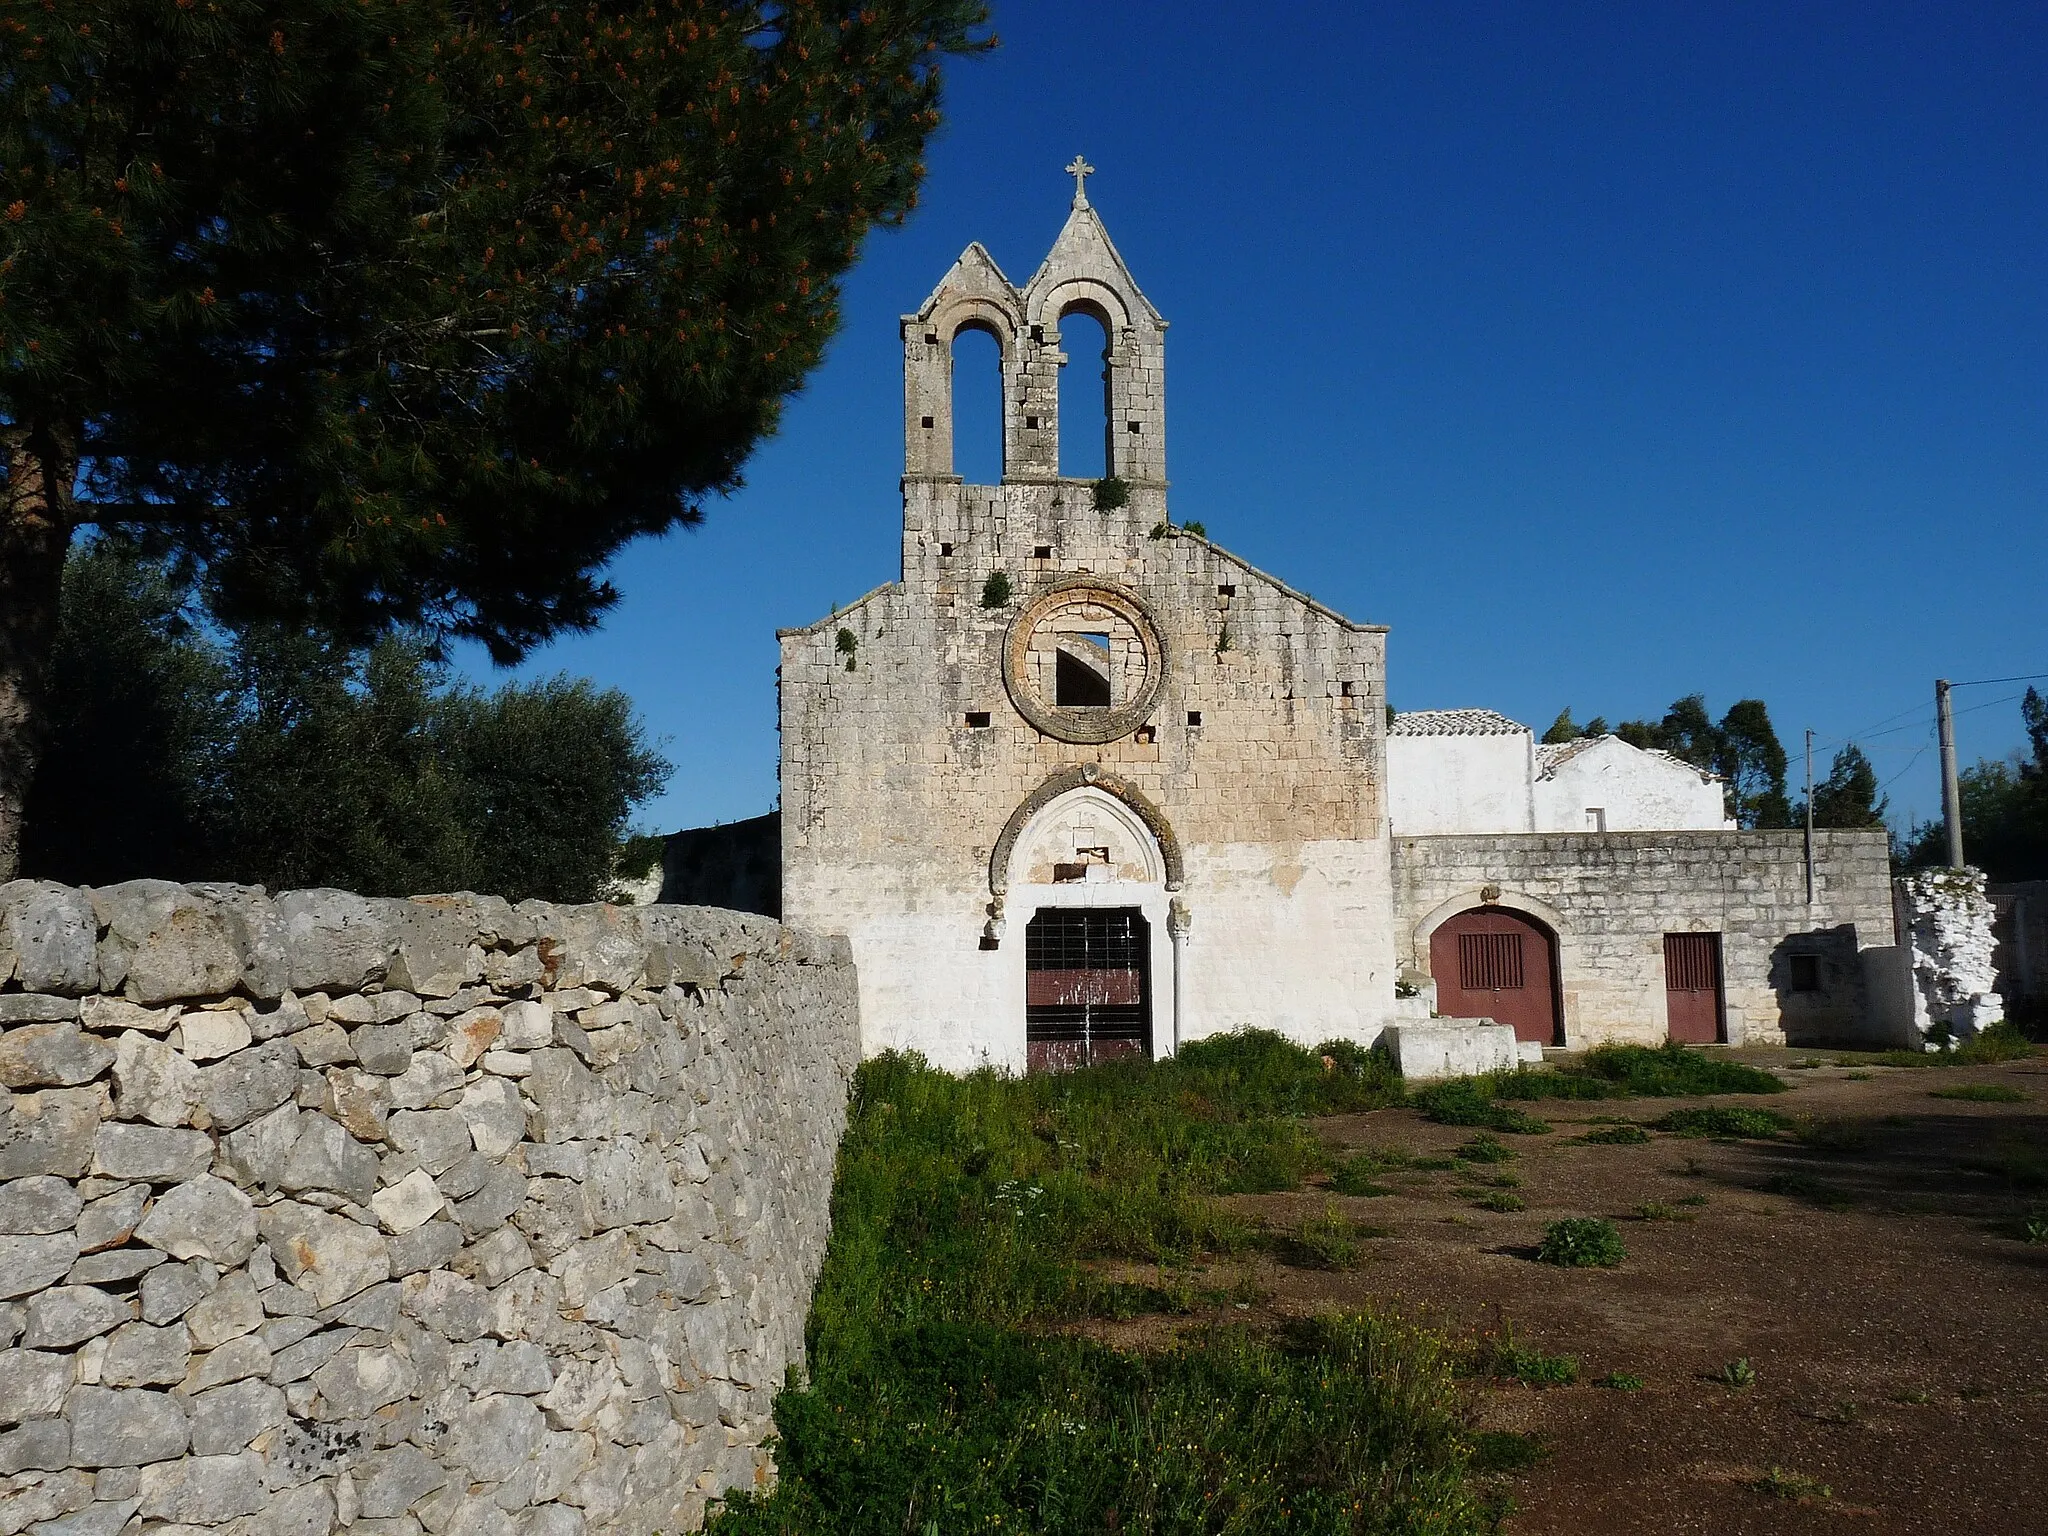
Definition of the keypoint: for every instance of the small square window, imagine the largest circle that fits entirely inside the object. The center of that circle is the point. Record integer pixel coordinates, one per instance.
(1805, 973)
(1227, 589)
(927, 421)
(1133, 426)
(1041, 552)
(1194, 717)
(1344, 688)
(1145, 736)
(977, 719)
(1031, 423)
(944, 550)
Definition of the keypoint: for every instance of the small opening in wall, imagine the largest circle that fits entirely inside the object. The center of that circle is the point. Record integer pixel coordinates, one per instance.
(931, 338)
(1194, 717)
(1041, 552)
(945, 549)
(1031, 422)
(926, 421)
(1344, 688)
(1132, 426)
(1038, 333)
(1145, 735)
(1805, 973)
(1596, 818)
(1226, 589)
(977, 719)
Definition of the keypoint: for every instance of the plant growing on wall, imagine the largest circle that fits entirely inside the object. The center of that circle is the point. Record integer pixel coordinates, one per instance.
(1112, 493)
(846, 644)
(995, 592)
(397, 313)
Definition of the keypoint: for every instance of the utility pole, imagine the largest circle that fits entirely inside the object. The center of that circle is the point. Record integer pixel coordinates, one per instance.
(1809, 815)
(1951, 795)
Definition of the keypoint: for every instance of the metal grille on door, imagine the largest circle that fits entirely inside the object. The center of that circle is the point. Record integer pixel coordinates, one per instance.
(1085, 993)
(1489, 962)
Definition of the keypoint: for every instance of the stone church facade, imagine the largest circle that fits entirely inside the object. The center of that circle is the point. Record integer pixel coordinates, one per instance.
(1138, 795)
(1080, 784)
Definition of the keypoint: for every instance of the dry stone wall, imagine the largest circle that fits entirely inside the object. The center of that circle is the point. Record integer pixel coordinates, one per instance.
(440, 1215)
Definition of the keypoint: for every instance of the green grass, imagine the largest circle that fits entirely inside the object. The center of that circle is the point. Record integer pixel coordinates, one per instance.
(1607, 1072)
(1500, 1200)
(948, 1390)
(1827, 1133)
(1582, 1242)
(1723, 1120)
(1668, 1071)
(2001, 1042)
(1657, 1210)
(1981, 1093)
(1620, 1381)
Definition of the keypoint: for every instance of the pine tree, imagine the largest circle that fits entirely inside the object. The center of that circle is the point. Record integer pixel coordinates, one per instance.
(1848, 796)
(412, 312)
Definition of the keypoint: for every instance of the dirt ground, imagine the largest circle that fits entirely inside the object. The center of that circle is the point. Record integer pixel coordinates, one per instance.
(1875, 1271)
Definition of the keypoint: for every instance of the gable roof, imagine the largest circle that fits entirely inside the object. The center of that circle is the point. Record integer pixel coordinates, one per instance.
(1551, 756)
(1454, 722)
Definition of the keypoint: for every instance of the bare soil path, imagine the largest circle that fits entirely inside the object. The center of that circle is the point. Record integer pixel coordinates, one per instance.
(1874, 1269)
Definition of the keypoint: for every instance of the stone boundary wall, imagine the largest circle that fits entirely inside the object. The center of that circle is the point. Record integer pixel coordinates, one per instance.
(1611, 897)
(398, 1216)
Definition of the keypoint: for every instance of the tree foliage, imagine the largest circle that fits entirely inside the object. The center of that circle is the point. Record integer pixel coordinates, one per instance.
(2004, 807)
(287, 759)
(1564, 728)
(398, 313)
(1742, 747)
(1848, 796)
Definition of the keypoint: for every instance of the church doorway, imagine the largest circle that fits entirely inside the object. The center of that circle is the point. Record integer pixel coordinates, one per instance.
(1087, 992)
(1494, 963)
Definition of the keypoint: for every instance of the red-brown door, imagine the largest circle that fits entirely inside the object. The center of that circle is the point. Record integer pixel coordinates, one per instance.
(1692, 986)
(1491, 963)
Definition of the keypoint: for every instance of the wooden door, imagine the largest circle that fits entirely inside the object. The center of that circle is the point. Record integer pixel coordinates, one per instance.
(1492, 963)
(1692, 987)
(1086, 987)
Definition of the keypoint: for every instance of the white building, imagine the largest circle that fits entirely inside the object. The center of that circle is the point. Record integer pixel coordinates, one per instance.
(1462, 771)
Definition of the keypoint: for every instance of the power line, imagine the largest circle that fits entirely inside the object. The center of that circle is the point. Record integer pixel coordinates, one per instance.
(1980, 682)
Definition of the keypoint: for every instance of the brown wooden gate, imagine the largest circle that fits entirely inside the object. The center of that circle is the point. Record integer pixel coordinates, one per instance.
(1493, 963)
(1086, 997)
(1692, 987)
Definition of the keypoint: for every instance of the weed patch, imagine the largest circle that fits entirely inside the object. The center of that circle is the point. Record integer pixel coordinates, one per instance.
(1737, 1373)
(1327, 1240)
(1502, 1450)
(1637, 1071)
(1981, 1093)
(1617, 1136)
(944, 1394)
(2023, 1164)
(1582, 1242)
(1499, 1356)
(1469, 1101)
(1798, 1186)
(1501, 1200)
(1825, 1133)
(1723, 1120)
(1486, 1149)
(1620, 1381)
(1796, 1486)
(1657, 1210)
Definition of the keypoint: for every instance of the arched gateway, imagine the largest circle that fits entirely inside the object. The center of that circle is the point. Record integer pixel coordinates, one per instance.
(1500, 964)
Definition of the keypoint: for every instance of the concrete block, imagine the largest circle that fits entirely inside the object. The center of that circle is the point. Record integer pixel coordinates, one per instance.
(1451, 1048)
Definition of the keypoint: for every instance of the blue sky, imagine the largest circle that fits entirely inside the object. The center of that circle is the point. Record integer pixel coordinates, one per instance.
(1607, 352)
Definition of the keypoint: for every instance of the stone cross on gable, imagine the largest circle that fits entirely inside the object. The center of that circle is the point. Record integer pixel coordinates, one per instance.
(1080, 170)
